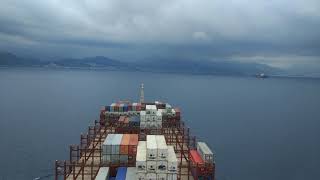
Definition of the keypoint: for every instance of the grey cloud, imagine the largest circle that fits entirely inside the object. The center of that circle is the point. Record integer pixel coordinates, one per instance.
(187, 28)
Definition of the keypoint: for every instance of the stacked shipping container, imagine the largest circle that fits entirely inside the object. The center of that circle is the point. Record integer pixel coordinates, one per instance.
(119, 149)
(202, 162)
(150, 118)
(153, 158)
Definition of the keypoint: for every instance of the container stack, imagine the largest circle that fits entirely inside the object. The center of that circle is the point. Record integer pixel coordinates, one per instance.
(151, 118)
(134, 121)
(121, 173)
(141, 160)
(172, 164)
(119, 149)
(123, 109)
(197, 164)
(131, 173)
(103, 173)
(153, 159)
(205, 152)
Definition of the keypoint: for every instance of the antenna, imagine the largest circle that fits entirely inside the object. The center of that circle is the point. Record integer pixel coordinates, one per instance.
(141, 93)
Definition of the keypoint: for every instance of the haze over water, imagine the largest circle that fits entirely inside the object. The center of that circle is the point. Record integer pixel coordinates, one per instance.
(259, 128)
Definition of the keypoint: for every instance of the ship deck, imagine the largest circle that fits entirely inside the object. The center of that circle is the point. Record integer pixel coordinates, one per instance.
(85, 160)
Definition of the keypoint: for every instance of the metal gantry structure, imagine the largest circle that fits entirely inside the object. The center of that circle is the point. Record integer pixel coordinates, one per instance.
(85, 159)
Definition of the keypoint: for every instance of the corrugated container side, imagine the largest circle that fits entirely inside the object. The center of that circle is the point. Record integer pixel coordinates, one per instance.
(133, 143)
(121, 173)
(151, 166)
(151, 147)
(162, 166)
(141, 176)
(162, 147)
(115, 158)
(116, 141)
(195, 157)
(124, 146)
(107, 144)
(172, 160)
(141, 163)
(123, 158)
(205, 152)
(103, 173)
(162, 176)
(151, 176)
(131, 173)
(172, 176)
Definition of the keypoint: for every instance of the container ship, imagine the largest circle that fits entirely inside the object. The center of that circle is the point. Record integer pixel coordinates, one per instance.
(138, 141)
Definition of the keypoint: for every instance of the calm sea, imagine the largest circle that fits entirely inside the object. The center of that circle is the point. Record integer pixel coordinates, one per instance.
(259, 128)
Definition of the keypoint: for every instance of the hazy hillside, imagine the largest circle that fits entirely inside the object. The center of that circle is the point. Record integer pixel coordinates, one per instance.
(152, 65)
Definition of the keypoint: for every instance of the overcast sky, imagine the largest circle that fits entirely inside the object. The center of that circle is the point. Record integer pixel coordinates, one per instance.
(281, 33)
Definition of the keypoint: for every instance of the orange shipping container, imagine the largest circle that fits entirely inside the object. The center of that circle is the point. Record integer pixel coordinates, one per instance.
(134, 139)
(124, 144)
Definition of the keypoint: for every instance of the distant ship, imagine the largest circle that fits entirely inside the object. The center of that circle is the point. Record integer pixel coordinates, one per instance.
(261, 75)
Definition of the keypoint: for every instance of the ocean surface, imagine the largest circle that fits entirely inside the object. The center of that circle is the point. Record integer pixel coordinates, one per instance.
(260, 129)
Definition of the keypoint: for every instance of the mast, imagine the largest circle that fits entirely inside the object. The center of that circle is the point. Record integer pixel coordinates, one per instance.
(141, 93)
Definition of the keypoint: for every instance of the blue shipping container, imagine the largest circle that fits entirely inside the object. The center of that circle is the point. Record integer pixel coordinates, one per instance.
(121, 173)
(134, 121)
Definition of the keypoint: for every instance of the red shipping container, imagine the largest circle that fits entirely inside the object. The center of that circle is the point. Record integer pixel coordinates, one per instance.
(129, 107)
(197, 161)
(124, 144)
(134, 138)
(195, 157)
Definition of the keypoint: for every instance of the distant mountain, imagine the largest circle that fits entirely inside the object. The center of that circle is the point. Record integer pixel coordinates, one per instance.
(98, 61)
(9, 59)
(204, 67)
(154, 65)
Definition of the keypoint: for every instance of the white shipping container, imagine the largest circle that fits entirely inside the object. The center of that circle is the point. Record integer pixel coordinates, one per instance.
(153, 125)
(103, 174)
(151, 147)
(107, 144)
(161, 176)
(141, 176)
(141, 158)
(172, 160)
(205, 152)
(159, 124)
(143, 124)
(151, 166)
(131, 173)
(162, 166)
(142, 116)
(172, 176)
(159, 116)
(151, 176)
(151, 107)
(173, 111)
(162, 147)
(116, 141)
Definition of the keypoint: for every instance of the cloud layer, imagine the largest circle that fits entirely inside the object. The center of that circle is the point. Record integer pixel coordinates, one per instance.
(204, 29)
